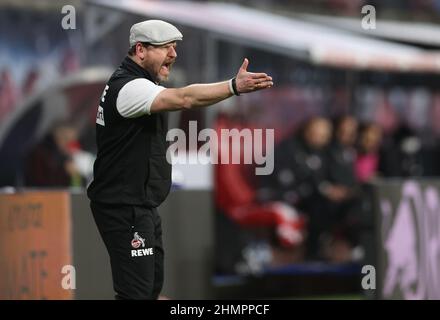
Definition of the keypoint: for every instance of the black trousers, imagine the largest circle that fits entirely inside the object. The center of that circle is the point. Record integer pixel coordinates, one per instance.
(133, 238)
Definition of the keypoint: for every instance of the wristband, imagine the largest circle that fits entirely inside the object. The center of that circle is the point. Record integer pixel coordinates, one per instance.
(234, 87)
(230, 87)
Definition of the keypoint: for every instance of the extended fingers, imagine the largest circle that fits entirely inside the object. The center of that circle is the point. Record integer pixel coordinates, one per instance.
(258, 75)
(259, 80)
(263, 85)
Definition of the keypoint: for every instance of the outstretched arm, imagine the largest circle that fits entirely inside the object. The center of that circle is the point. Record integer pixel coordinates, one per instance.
(202, 95)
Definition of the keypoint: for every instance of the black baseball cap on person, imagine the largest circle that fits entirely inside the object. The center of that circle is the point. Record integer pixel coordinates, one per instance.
(155, 32)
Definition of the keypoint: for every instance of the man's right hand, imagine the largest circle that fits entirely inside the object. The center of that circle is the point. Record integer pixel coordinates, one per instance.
(249, 81)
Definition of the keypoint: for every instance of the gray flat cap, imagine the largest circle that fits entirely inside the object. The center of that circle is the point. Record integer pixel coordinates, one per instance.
(156, 32)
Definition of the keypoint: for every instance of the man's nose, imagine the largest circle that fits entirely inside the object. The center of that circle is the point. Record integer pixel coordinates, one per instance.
(173, 52)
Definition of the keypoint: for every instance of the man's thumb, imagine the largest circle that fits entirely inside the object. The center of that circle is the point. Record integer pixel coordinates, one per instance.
(245, 64)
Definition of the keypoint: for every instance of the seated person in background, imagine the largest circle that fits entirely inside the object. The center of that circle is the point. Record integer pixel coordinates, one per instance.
(50, 163)
(343, 192)
(342, 156)
(300, 178)
(367, 160)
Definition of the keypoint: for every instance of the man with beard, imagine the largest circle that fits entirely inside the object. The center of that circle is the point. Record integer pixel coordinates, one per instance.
(131, 173)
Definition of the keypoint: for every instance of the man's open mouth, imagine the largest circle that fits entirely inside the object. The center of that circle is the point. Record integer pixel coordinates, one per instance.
(167, 66)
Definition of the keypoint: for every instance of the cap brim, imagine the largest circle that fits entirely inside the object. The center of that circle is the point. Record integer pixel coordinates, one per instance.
(165, 42)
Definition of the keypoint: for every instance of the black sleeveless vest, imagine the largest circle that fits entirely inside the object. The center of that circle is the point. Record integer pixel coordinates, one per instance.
(131, 166)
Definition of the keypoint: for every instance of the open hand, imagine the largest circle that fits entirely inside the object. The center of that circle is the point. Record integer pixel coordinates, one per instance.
(249, 81)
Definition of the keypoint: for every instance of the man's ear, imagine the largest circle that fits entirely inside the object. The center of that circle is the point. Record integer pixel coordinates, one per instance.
(140, 49)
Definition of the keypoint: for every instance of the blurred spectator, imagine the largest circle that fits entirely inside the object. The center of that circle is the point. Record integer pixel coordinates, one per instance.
(367, 161)
(343, 192)
(342, 155)
(52, 162)
(319, 179)
(300, 165)
(300, 177)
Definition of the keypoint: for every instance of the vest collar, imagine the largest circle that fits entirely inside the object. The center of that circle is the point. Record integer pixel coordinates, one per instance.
(131, 66)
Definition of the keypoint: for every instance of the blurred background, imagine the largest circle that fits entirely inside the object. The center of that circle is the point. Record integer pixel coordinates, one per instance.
(356, 118)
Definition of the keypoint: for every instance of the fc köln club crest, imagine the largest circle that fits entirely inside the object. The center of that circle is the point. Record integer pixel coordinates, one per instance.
(137, 241)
